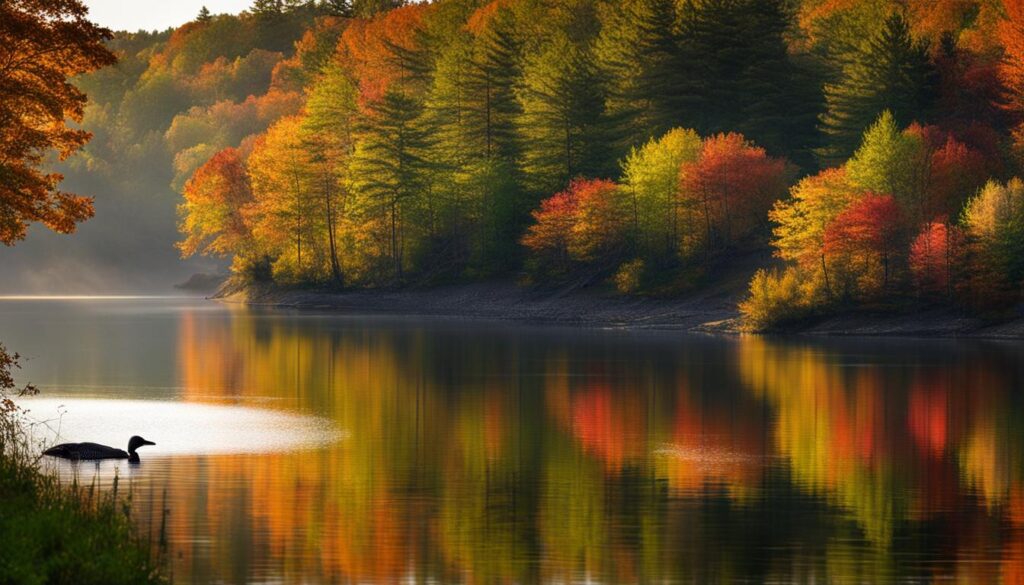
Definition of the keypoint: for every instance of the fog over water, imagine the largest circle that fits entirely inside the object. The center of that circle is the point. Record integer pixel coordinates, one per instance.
(127, 248)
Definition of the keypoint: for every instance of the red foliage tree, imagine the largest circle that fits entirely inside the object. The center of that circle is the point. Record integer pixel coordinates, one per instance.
(869, 229)
(933, 255)
(969, 89)
(552, 229)
(1011, 68)
(733, 184)
(958, 165)
(601, 220)
(957, 172)
(581, 223)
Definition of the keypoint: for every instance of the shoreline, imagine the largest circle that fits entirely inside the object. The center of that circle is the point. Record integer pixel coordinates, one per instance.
(505, 301)
(710, 310)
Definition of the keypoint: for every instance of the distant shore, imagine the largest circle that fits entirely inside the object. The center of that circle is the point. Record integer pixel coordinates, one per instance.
(712, 310)
(506, 301)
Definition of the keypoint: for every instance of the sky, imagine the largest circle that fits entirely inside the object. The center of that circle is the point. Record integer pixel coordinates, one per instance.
(132, 15)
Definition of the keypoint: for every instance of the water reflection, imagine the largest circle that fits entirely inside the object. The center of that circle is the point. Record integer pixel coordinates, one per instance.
(495, 454)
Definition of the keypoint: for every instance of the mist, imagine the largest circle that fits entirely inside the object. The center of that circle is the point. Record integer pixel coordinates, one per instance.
(127, 248)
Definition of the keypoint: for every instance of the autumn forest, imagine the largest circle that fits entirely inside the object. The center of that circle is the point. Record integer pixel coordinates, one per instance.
(464, 290)
(872, 146)
(647, 144)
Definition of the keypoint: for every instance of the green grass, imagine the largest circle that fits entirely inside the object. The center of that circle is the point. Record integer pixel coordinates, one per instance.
(50, 533)
(57, 533)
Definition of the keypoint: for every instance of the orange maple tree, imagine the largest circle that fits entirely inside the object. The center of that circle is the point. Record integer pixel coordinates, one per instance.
(373, 49)
(42, 44)
(1011, 69)
(215, 199)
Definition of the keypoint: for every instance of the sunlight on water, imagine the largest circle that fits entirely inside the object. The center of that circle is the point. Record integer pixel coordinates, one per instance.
(177, 428)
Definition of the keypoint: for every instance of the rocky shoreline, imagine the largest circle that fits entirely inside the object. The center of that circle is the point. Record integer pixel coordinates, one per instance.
(506, 301)
(712, 310)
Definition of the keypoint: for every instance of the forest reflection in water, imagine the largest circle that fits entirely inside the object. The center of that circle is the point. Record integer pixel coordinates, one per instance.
(488, 453)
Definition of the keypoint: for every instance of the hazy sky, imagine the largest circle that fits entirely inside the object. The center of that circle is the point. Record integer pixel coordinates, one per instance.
(132, 15)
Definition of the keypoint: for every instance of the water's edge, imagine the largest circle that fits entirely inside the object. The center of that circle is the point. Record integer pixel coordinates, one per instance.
(709, 311)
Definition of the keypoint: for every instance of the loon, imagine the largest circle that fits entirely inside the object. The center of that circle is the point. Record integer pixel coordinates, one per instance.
(79, 451)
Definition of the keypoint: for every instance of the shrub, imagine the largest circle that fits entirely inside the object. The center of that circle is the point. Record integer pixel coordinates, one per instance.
(630, 277)
(775, 299)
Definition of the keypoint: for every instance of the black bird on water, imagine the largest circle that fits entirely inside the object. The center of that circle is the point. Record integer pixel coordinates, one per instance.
(83, 451)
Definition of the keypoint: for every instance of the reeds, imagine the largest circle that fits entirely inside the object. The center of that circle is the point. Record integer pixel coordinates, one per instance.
(54, 532)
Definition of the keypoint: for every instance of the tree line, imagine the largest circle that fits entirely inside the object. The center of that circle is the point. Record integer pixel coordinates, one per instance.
(871, 143)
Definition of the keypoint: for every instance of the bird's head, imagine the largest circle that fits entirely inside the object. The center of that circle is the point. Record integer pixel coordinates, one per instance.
(136, 442)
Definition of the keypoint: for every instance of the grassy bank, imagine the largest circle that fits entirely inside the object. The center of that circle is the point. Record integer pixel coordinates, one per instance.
(54, 533)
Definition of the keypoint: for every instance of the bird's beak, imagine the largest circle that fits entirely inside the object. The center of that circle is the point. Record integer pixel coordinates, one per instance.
(148, 442)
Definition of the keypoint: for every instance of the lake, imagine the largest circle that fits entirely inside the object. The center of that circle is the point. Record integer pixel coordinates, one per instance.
(319, 448)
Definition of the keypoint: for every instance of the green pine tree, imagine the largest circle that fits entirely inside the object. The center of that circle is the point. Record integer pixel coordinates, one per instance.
(388, 168)
(640, 53)
(780, 100)
(495, 72)
(563, 127)
(740, 77)
(369, 8)
(454, 153)
(267, 8)
(336, 7)
(889, 72)
(472, 108)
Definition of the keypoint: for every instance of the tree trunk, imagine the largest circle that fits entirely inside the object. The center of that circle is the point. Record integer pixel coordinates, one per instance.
(331, 239)
(824, 271)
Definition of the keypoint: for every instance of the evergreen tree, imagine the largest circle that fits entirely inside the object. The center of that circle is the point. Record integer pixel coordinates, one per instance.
(204, 15)
(639, 52)
(369, 8)
(780, 100)
(563, 124)
(739, 76)
(272, 25)
(336, 7)
(889, 72)
(388, 169)
(267, 8)
(472, 109)
(455, 153)
(296, 5)
(495, 73)
(492, 80)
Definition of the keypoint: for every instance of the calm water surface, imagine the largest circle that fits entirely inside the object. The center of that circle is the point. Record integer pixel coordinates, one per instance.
(302, 447)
